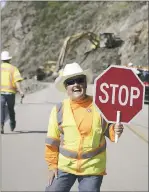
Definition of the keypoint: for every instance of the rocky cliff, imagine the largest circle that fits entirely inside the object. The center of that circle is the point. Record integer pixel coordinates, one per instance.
(34, 31)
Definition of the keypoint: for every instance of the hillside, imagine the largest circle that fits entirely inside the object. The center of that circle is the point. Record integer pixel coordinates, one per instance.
(34, 32)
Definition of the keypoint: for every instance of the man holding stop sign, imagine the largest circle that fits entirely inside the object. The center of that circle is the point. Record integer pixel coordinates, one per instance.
(75, 144)
(118, 94)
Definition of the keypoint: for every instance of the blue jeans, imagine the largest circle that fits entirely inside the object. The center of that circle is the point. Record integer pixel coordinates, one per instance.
(10, 101)
(65, 181)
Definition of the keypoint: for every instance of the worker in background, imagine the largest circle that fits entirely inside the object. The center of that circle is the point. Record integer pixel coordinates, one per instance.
(10, 84)
(145, 71)
(136, 71)
(75, 143)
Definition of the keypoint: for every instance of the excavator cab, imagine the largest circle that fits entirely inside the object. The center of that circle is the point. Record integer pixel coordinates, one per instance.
(109, 40)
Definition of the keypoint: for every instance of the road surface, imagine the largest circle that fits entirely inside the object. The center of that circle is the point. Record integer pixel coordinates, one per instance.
(23, 165)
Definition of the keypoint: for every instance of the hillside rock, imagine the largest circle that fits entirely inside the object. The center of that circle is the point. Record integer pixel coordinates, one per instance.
(34, 32)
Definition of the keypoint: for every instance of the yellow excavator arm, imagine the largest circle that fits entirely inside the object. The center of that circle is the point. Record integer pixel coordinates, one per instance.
(71, 40)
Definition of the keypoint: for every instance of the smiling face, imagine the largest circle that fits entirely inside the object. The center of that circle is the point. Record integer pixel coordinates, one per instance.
(76, 87)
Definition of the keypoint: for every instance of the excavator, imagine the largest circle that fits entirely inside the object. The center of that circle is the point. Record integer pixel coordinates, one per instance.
(101, 40)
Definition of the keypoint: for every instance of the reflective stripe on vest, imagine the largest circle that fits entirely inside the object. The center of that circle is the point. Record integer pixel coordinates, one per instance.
(52, 141)
(60, 116)
(89, 154)
(55, 142)
(7, 87)
(73, 154)
(7, 69)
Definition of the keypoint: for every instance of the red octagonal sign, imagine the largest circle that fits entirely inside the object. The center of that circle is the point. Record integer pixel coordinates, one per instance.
(118, 89)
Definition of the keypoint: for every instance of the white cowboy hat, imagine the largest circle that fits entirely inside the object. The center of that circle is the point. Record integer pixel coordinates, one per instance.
(5, 56)
(71, 70)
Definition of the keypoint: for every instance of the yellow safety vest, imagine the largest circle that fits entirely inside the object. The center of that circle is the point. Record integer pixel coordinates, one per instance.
(78, 155)
(9, 76)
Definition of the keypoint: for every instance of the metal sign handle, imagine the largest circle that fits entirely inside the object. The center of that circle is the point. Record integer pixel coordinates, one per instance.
(117, 121)
(21, 100)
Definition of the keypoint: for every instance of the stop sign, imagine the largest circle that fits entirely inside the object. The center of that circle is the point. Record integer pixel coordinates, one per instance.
(118, 89)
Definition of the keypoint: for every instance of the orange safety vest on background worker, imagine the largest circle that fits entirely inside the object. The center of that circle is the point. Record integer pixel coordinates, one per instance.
(70, 148)
(9, 76)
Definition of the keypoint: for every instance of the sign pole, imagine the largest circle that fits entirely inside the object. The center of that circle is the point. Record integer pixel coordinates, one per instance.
(117, 122)
(127, 97)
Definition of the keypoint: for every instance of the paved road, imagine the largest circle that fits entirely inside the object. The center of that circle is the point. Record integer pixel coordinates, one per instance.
(23, 165)
(140, 123)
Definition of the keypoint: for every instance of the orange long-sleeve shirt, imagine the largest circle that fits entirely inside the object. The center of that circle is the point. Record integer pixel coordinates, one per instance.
(78, 110)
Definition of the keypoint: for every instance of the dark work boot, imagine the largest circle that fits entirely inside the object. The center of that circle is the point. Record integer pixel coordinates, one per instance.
(2, 129)
(12, 125)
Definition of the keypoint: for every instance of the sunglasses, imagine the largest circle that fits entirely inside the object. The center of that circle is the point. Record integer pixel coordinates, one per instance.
(78, 80)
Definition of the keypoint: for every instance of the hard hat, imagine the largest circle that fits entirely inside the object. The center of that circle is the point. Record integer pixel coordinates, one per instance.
(5, 56)
(130, 64)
